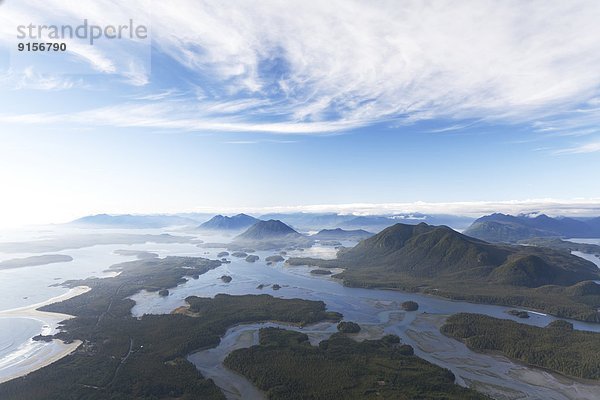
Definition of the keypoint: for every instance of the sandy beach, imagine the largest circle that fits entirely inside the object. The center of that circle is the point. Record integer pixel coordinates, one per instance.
(33, 355)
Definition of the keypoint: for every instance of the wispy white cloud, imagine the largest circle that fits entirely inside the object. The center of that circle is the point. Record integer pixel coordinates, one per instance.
(369, 61)
(161, 95)
(29, 78)
(136, 74)
(174, 116)
(580, 126)
(242, 142)
(593, 147)
(260, 141)
(343, 64)
(452, 128)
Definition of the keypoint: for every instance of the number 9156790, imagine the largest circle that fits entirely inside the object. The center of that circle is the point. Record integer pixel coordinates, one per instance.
(35, 46)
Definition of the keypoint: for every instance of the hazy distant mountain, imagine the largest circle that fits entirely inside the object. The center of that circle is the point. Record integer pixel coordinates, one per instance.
(377, 223)
(341, 234)
(133, 221)
(309, 221)
(196, 216)
(316, 221)
(271, 234)
(593, 222)
(268, 230)
(508, 228)
(223, 223)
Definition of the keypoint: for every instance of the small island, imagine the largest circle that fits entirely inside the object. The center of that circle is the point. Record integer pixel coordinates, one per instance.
(274, 259)
(239, 254)
(252, 258)
(559, 244)
(410, 306)
(163, 292)
(223, 254)
(320, 272)
(348, 327)
(270, 235)
(330, 243)
(286, 366)
(226, 278)
(276, 286)
(518, 313)
(561, 325)
(556, 347)
(34, 261)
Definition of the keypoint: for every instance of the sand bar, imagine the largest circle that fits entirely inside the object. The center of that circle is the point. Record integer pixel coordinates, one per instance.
(33, 355)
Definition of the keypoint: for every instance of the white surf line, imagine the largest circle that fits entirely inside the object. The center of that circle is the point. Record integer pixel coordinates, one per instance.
(537, 313)
(33, 355)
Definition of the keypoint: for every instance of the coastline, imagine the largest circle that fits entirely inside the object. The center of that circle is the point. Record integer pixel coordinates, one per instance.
(33, 355)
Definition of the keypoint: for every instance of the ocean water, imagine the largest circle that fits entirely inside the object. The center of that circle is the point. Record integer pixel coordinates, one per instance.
(14, 333)
(23, 287)
(590, 257)
(586, 240)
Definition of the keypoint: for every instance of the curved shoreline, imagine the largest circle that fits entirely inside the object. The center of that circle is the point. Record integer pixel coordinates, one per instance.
(33, 355)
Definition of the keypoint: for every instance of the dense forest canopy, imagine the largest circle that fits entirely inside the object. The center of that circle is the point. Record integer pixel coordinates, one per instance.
(557, 347)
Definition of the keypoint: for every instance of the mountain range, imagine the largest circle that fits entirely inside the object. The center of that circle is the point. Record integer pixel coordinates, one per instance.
(508, 228)
(341, 234)
(130, 221)
(373, 223)
(223, 223)
(439, 260)
(376, 223)
(300, 221)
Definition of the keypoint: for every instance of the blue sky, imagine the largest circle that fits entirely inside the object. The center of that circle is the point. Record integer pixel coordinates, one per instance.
(436, 107)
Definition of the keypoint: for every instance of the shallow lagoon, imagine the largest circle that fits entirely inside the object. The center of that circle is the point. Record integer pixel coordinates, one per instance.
(378, 311)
